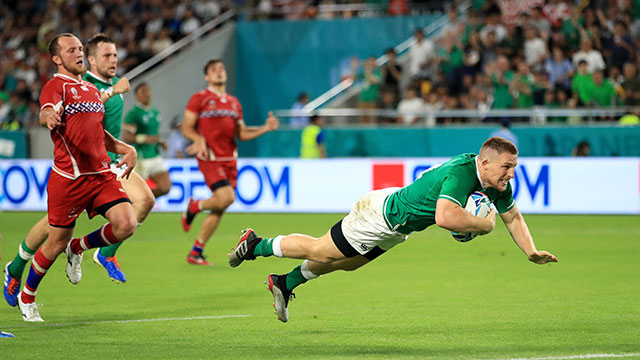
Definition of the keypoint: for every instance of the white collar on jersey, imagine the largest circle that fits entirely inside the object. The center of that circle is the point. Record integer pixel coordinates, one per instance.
(213, 90)
(67, 77)
(99, 77)
(478, 173)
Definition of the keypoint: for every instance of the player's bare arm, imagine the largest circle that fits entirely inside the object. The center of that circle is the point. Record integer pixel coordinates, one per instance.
(130, 136)
(453, 217)
(244, 133)
(128, 152)
(50, 118)
(189, 126)
(519, 231)
(121, 87)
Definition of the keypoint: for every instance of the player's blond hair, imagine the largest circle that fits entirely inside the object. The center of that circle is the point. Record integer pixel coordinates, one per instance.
(498, 144)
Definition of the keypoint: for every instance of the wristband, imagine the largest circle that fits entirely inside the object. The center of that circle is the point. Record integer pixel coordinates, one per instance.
(141, 138)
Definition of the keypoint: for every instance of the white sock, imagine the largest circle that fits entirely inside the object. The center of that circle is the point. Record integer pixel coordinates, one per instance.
(277, 251)
(306, 271)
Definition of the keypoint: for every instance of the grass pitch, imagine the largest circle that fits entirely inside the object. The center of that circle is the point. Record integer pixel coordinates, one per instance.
(430, 297)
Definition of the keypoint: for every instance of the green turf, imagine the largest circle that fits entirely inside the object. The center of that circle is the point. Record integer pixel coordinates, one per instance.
(430, 297)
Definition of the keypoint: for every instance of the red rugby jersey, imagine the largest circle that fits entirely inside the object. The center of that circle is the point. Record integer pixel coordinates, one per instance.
(218, 117)
(79, 147)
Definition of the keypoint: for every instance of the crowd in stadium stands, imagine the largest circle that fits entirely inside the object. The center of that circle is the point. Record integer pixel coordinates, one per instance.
(141, 28)
(515, 54)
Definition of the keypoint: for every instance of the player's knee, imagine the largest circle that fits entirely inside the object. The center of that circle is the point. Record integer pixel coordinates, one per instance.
(163, 190)
(124, 228)
(227, 200)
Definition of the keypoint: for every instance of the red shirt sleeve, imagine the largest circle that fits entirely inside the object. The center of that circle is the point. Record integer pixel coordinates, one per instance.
(194, 103)
(51, 94)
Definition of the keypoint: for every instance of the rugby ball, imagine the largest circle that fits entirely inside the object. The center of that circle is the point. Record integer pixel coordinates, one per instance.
(478, 204)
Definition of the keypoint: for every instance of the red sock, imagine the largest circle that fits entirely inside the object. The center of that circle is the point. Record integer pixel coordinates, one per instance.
(195, 208)
(39, 266)
(197, 248)
(99, 238)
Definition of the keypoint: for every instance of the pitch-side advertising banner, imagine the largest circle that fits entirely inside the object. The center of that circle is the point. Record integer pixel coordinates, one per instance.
(541, 185)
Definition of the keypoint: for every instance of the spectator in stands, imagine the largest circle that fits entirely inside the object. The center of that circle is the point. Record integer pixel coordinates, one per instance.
(410, 107)
(572, 27)
(522, 86)
(630, 85)
(501, 77)
(451, 28)
(535, 49)
(493, 24)
(189, 23)
(391, 72)
(582, 149)
(490, 50)
(450, 57)
(620, 48)
(312, 139)
(581, 85)
(540, 23)
(593, 57)
(473, 54)
(420, 54)
(388, 104)
(370, 80)
(300, 121)
(512, 44)
(602, 92)
(559, 69)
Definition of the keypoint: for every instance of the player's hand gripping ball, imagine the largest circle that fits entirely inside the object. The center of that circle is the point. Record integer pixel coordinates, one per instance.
(478, 204)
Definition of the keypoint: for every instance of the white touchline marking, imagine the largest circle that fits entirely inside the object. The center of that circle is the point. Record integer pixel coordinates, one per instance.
(585, 356)
(132, 321)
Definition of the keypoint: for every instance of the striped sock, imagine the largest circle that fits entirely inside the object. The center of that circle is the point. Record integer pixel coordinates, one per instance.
(20, 261)
(197, 248)
(99, 238)
(39, 267)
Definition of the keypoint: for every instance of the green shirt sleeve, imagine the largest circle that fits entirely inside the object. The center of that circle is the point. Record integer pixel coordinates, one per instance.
(131, 118)
(505, 202)
(457, 186)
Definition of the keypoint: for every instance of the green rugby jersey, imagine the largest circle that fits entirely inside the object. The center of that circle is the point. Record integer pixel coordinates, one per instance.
(147, 122)
(113, 108)
(413, 208)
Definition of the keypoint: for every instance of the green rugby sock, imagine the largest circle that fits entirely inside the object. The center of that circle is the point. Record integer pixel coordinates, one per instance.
(299, 275)
(264, 248)
(109, 251)
(295, 278)
(20, 261)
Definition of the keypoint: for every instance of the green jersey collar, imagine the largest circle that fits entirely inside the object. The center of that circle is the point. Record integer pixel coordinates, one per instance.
(478, 172)
(98, 78)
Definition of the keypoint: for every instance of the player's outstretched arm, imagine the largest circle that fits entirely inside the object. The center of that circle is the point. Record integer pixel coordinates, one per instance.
(128, 152)
(50, 117)
(453, 217)
(519, 231)
(244, 133)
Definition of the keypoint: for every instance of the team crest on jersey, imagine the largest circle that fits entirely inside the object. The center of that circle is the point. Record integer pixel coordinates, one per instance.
(212, 103)
(74, 91)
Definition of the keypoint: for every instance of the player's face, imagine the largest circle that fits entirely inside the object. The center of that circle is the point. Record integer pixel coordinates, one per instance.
(70, 56)
(216, 74)
(144, 95)
(500, 169)
(105, 60)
